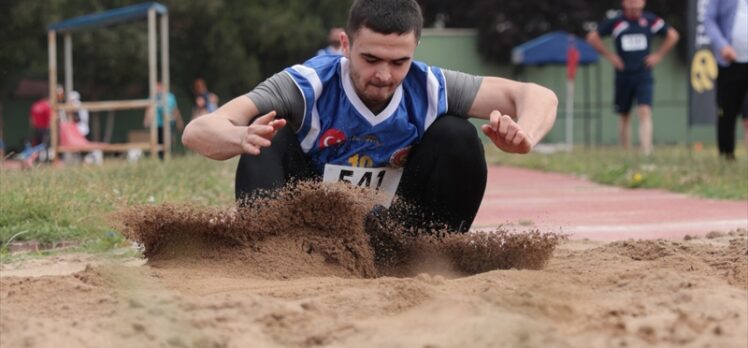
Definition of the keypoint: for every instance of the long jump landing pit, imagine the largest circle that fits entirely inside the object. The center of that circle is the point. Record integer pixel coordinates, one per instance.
(300, 271)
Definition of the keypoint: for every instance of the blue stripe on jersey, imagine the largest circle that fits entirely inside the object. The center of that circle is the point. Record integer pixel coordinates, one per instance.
(339, 129)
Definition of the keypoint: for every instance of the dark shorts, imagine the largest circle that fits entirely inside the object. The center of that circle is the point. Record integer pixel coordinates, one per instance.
(637, 87)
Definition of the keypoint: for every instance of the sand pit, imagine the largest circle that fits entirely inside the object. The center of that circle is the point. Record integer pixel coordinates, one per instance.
(289, 273)
(314, 229)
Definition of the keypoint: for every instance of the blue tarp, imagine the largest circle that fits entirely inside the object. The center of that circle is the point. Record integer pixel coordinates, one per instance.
(551, 48)
(110, 17)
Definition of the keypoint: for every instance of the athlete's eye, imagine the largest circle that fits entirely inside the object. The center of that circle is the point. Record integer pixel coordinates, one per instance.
(400, 62)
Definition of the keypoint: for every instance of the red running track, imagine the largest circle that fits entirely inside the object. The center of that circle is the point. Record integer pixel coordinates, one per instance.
(564, 203)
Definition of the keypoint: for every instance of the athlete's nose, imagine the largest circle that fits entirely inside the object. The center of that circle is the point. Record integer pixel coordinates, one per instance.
(383, 75)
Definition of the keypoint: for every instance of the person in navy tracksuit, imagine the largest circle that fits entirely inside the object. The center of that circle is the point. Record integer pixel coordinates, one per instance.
(633, 30)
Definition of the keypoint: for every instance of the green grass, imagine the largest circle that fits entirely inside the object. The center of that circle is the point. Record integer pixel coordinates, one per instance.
(74, 203)
(673, 168)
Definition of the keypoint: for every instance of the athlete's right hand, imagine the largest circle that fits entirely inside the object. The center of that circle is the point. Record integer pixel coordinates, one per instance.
(260, 132)
(617, 62)
(506, 134)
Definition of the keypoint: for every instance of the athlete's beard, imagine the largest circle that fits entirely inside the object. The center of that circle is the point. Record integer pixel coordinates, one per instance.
(374, 104)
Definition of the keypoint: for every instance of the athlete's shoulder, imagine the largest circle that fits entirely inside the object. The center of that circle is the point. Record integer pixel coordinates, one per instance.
(323, 62)
(321, 68)
(418, 68)
(656, 24)
(650, 16)
(611, 20)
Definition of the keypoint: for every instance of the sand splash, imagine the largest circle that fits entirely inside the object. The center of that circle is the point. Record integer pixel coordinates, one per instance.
(316, 229)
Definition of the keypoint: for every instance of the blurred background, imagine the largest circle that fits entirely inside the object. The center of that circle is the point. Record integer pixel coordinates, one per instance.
(235, 44)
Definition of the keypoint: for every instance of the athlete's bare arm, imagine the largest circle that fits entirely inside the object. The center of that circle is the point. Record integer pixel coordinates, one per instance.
(671, 39)
(593, 38)
(226, 132)
(519, 114)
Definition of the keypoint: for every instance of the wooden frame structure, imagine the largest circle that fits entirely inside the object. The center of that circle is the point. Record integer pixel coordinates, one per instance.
(153, 12)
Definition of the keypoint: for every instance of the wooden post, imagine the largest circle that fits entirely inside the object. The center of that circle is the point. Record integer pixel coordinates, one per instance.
(152, 78)
(52, 50)
(165, 82)
(68, 65)
(96, 126)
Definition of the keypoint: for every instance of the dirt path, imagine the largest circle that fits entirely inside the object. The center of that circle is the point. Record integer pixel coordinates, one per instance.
(558, 202)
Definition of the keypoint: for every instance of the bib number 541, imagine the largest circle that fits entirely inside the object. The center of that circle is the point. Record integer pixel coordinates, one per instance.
(385, 180)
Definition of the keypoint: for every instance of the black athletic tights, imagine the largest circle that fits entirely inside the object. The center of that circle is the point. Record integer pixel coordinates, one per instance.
(444, 177)
(732, 94)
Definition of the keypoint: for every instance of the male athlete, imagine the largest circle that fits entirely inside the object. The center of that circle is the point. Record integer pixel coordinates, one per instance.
(633, 30)
(376, 118)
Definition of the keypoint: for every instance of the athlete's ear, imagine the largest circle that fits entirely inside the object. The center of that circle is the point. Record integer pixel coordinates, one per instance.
(345, 44)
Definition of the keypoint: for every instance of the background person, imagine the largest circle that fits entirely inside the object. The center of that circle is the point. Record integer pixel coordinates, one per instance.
(333, 42)
(633, 30)
(80, 115)
(727, 26)
(171, 109)
(200, 107)
(201, 90)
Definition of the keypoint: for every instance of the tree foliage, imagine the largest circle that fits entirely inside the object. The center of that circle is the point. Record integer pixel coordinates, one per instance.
(233, 44)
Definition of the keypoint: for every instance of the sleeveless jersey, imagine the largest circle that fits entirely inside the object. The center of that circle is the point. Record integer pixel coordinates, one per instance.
(339, 129)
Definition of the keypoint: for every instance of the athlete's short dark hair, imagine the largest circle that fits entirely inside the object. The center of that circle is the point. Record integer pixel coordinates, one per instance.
(385, 17)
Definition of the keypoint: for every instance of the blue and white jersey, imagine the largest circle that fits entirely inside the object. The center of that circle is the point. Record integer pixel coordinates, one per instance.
(633, 37)
(339, 129)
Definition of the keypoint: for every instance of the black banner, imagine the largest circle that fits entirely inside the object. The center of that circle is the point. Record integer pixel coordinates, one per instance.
(702, 108)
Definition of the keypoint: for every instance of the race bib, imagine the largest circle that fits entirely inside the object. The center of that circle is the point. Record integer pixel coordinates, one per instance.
(384, 180)
(634, 42)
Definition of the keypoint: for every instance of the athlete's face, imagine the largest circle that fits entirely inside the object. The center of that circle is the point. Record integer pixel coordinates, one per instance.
(378, 64)
(633, 5)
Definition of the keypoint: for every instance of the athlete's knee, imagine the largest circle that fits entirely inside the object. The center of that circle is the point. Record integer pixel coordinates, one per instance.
(644, 110)
(454, 134)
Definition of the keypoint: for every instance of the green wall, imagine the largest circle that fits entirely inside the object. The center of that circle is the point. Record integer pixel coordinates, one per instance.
(457, 49)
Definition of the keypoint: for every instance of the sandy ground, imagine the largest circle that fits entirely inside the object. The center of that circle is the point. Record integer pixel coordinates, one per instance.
(308, 287)
(623, 294)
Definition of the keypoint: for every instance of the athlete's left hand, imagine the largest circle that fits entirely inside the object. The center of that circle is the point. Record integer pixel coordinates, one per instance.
(652, 59)
(506, 134)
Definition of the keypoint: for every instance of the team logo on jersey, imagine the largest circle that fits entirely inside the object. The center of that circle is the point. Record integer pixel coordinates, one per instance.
(369, 138)
(642, 22)
(400, 157)
(331, 137)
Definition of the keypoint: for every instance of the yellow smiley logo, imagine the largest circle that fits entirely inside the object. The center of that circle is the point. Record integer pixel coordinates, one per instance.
(703, 71)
